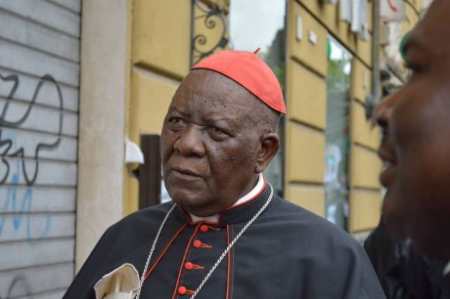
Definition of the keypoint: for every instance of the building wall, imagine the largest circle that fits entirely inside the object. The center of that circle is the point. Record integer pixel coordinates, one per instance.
(306, 119)
(307, 101)
(39, 100)
(366, 194)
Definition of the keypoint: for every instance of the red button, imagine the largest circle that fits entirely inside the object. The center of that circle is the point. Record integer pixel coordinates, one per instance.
(197, 244)
(204, 228)
(182, 290)
(188, 266)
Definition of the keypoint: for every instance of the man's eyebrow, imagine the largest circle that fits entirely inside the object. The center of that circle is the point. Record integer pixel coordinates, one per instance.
(176, 110)
(220, 118)
(212, 119)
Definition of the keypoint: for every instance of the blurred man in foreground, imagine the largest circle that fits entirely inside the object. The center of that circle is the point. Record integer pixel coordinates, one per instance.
(415, 149)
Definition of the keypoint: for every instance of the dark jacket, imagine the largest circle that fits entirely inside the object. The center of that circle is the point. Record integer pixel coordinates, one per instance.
(403, 273)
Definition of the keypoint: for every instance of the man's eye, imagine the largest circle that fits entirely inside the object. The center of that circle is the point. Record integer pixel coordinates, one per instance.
(411, 70)
(176, 122)
(217, 133)
(415, 67)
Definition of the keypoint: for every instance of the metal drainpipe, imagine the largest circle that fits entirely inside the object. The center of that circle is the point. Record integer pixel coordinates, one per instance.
(375, 96)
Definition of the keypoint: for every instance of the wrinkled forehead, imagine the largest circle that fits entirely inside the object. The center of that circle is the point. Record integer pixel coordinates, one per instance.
(211, 83)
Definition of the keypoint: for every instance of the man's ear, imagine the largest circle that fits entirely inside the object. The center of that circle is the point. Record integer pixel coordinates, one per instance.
(270, 143)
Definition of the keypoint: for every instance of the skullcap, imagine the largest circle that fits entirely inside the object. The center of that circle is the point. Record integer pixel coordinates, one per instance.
(249, 71)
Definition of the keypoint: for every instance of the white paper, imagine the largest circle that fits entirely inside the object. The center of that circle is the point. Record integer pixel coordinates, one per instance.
(121, 283)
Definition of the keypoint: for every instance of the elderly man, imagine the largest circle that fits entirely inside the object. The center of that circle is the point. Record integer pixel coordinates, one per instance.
(416, 139)
(226, 234)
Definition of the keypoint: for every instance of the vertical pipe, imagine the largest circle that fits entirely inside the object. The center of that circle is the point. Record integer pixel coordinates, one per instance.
(191, 49)
(375, 95)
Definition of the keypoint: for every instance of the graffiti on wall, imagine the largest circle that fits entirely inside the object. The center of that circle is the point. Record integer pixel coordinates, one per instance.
(6, 144)
(18, 286)
(19, 166)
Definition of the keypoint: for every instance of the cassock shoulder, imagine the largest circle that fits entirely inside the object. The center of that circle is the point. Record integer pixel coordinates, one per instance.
(329, 252)
(318, 229)
(141, 224)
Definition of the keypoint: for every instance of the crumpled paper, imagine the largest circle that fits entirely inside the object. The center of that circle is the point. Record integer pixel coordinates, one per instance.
(121, 283)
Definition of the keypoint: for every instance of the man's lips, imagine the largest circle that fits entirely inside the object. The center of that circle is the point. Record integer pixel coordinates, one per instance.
(185, 172)
(387, 174)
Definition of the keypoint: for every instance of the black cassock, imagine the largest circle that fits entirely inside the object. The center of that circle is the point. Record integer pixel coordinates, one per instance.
(287, 253)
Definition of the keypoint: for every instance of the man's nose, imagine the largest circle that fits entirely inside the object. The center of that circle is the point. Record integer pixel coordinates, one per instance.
(190, 142)
(383, 112)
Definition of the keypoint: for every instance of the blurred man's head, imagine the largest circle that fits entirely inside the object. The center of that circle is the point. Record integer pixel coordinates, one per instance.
(416, 140)
(217, 137)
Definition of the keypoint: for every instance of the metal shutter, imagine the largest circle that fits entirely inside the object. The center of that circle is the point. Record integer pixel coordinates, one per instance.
(39, 96)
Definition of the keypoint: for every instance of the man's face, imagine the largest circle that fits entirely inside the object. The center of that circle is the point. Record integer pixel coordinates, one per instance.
(209, 144)
(416, 142)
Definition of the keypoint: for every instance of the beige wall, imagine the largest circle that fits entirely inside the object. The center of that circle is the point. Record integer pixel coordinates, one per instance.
(365, 191)
(306, 96)
(102, 120)
(160, 56)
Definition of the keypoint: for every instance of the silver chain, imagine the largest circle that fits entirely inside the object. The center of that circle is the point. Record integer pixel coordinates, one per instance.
(225, 252)
(152, 249)
(221, 257)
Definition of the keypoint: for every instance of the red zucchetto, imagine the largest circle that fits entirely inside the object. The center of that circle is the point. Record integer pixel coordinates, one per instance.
(251, 72)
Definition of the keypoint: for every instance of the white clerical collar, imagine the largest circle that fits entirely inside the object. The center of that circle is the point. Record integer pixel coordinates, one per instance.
(447, 269)
(246, 198)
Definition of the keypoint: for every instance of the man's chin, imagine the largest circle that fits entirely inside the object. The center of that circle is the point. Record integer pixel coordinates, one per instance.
(395, 228)
(423, 244)
(431, 244)
(394, 218)
(185, 200)
(404, 222)
(192, 203)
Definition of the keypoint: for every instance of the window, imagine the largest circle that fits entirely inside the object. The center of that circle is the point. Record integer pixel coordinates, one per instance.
(337, 133)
